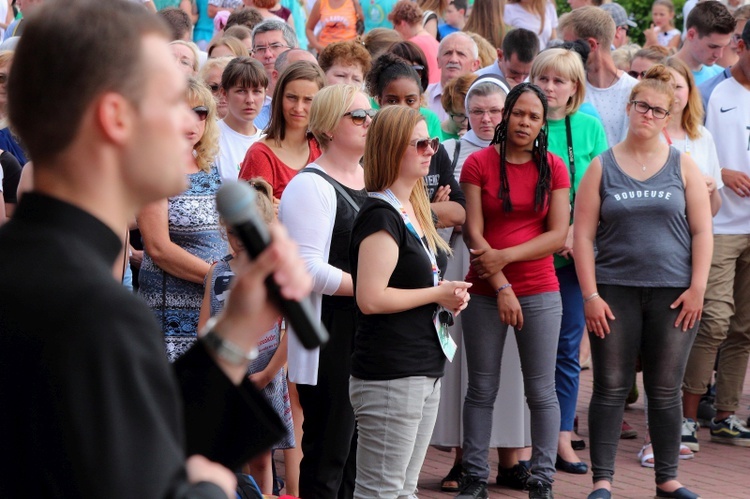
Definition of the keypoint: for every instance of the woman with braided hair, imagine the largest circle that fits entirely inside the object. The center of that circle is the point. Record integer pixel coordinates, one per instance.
(517, 214)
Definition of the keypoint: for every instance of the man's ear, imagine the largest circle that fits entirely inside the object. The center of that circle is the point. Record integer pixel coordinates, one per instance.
(499, 54)
(691, 34)
(115, 117)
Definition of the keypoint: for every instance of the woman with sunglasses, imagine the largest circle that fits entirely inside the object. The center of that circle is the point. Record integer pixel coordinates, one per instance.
(577, 138)
(401, 340)
(517, 215)
(181, 235)
(392, 81)
(287, 147)
(210, 73)
(318, 208)
(646, 206)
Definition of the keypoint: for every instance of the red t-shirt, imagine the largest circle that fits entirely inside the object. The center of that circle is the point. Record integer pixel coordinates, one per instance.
(261, 161)
(503, 230)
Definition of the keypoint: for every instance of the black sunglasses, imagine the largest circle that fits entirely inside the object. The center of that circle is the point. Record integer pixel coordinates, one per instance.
(201, 112)
(215, 87)
(421, 144)
(359, 116)
(637, 75)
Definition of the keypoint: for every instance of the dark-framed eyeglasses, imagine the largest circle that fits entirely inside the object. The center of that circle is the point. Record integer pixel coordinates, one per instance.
(642, 107)
(458, 118)
(625, 28)
(422, 144)
(637, 74)
(359, 116)
(275, 48)
(493, 112)
(215, 87)
(201, 112)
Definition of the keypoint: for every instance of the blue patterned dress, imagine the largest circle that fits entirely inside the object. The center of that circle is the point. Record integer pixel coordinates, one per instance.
(276, 392)
(194, 226)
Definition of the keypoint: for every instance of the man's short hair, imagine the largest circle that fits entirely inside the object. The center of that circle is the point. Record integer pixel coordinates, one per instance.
(178, 21)
(273, 25)
(742, 13)
(465, 36)
(589, 22)
(247, 17)
(460, 4)
(63, 64)
(523, 43)
(244, 72)
(708, 18)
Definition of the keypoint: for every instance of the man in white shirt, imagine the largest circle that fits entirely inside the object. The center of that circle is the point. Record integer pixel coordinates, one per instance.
(457, 55)
(607, 88)
(709, 31)
(243, 83)
(513, 65)
(725, 324)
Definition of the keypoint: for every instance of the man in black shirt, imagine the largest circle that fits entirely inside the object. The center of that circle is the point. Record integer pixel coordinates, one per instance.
(90, 406)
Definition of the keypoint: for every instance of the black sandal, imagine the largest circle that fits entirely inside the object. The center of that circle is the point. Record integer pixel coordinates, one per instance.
(454, 479)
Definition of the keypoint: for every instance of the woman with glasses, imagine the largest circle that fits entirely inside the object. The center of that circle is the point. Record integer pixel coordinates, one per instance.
(286, 147)
(318, 208)
(401, 340)
(181, 235)
(517, 215)
(577, 138)
(646, 207)
(210, 73)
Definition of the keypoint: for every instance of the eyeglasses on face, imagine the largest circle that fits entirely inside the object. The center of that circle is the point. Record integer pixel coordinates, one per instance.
(422, 144)
(479, 113)
(201, 112)
(274, 48)
(215, 87)
(636, 74)
(642, 107)
(458, 118)
(359, 116)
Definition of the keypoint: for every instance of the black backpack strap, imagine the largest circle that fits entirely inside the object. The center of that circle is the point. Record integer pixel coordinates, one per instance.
(456, 150)
(335, 185)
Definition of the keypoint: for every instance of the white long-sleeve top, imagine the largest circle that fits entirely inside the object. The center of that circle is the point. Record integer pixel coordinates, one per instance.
(308, 211)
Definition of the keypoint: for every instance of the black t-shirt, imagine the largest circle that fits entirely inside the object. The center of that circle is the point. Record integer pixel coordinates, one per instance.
(440, 174)
(397, 345)
(11, 176)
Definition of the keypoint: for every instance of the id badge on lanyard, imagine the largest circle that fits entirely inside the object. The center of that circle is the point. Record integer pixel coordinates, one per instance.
(442, 318)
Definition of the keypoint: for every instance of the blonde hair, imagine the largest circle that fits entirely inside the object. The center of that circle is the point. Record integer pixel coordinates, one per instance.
(567, 64)
(387, 140)
(193, 48)
(589, 22)
(657, 78)
(264, 198)
(208, 146)
(215, 62)
(327, 110)
(487, 53)
(232, 43)
(486, 19)
(6, 57)
(692, 115)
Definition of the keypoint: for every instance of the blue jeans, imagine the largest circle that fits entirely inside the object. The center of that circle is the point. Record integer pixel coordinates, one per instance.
(644, 323)
(568, 370)
(484, 339)
(395, 419)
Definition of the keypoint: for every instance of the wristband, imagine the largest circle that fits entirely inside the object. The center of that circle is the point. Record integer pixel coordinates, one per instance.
(504, 286)
(590, 297)
(225, 348)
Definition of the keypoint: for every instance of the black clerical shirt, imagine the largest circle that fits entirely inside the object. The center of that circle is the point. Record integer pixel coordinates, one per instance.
(89, 405)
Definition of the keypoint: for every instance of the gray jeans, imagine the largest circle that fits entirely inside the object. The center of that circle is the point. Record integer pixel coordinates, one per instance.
(484, 339)
(644, 324)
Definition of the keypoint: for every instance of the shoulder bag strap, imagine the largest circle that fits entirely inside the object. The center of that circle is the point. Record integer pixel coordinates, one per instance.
(335, 185)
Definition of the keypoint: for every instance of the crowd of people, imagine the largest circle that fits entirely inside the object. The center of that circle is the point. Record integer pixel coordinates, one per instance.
(481, 199)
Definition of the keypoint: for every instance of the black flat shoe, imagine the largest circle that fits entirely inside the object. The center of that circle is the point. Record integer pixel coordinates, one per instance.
(681, 493)
(580, 468)
(600, 494)
(578, 444)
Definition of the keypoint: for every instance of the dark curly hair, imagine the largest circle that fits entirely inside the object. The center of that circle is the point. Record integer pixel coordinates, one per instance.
(385, 69)
(538, 153)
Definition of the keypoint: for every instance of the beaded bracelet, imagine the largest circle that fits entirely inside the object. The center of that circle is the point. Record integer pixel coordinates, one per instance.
(507, 285)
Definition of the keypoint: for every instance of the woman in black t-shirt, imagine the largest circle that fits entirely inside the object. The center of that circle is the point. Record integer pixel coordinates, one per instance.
(401, 336)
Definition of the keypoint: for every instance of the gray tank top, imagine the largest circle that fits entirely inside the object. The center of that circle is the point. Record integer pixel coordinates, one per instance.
(643, 236)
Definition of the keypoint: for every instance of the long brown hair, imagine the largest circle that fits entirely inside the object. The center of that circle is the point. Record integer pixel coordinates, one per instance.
(387, 140)
(486, 19)
(692, 115)
(300, 70)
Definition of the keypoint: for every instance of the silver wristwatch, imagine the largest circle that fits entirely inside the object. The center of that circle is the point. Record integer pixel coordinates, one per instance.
(225, 348)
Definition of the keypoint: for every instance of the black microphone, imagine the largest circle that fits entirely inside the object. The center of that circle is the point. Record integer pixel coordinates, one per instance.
(236, 203)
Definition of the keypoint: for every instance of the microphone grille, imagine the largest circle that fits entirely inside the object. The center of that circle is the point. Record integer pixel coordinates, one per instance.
(236, 203)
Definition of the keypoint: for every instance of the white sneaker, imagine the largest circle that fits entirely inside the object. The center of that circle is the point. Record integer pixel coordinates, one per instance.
(689, 438)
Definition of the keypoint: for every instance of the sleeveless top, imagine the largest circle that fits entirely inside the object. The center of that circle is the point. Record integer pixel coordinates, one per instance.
(643, 238)
(338, 255)
(276, 391)
(338, 24)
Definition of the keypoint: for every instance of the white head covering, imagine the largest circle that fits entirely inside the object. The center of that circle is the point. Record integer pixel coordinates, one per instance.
(471, 136)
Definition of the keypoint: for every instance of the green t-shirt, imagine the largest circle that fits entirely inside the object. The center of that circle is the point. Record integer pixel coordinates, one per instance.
(589, 140)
